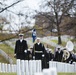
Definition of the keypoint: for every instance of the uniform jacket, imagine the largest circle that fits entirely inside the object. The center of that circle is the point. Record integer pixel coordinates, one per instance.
(39, 47)
(58, 56)
(20, 47)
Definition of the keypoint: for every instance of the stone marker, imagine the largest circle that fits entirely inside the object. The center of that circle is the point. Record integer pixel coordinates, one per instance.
(50, 71)
(38, 73)
(26, 67)
(18, 67)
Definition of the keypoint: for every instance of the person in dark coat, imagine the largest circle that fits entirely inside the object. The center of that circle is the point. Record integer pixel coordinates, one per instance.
(21, 48)
(58, 55)
(39, 52)
(48, 56)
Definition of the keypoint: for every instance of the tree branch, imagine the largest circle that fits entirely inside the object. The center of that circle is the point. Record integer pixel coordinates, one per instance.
(11, 5)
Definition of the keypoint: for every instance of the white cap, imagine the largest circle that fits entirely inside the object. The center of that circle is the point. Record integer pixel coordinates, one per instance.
(21, 34)
(58, 46)
(37, 38)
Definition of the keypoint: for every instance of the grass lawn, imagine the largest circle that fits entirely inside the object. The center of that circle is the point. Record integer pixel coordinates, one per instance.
(66, 73)
(2, 60)
(8, 50)
(8, 74)
(57, 74)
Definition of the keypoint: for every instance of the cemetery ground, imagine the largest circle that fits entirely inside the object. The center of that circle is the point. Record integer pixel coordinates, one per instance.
(10, 52)
(58, 74)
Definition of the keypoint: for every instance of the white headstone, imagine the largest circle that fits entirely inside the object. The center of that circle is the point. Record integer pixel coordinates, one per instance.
(12, 68)
(53, 71)
(26, 67)
(22, 67)
(6, 68)
(46, 72)
(3, 68)
(15, 68)
(40, 66)
(18, 67)
(38, 73)
(9, 68)
(0, 68)
(34, 66)
(75, 67)
(50, 64)
(37, 65)
(30, 67)
(50, 71)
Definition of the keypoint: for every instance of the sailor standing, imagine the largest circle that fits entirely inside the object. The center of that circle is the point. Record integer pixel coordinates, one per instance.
(21, 48)
(58, 55)
(38, 51)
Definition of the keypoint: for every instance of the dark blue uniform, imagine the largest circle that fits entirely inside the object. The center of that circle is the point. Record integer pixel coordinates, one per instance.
(20, 47)
(58, 56)
(39, 53)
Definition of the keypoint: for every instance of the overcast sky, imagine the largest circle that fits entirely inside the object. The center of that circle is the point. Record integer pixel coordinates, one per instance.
(25, 6)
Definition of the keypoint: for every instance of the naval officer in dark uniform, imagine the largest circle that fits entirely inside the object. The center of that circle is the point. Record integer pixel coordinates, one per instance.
(58, 55)
(21, 48)
(39, 52)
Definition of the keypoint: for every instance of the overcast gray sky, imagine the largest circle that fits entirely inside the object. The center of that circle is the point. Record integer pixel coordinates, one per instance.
(25, 6)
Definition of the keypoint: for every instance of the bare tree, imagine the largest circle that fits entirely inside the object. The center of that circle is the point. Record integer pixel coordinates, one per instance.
(59, 8)
(3, 9)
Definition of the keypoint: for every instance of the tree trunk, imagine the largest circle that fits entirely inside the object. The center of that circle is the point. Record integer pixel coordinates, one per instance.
(58, 29)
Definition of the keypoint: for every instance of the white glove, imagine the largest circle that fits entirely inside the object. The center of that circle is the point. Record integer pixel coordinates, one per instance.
(14, 55)
(43, 55)
(33, 57)
(25, 51)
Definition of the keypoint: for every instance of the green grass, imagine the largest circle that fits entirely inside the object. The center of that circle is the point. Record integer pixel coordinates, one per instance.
(66, 73)
(2, 60)
(8, 74)
(57, 74)
(55, 41)
(8, 50)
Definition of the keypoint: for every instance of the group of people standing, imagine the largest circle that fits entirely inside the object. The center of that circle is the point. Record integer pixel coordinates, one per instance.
(38, 52)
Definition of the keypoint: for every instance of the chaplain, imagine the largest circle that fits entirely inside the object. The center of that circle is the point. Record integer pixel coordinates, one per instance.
(21, 48)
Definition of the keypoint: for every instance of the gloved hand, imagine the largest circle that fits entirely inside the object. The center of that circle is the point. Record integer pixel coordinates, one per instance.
(25, 51)
(43, 55)
(14, 55)
(34, 57)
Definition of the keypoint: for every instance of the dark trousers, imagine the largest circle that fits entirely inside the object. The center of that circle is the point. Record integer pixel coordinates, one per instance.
(22, 56)
(34, 39)
(38, 56)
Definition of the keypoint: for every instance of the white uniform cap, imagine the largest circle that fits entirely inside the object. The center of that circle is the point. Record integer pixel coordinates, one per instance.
(38, 38)
(21, 34)
(58, 46)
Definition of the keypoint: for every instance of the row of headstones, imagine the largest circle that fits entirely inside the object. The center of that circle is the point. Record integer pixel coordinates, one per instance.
(49, 71)
(7, 68)
(63, 67)
(28, 67)
(32, 67)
